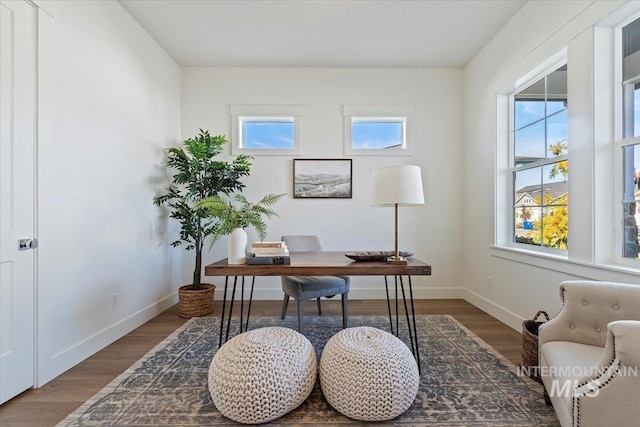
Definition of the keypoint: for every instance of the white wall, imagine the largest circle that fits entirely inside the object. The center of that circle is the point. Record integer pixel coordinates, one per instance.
(114, 99)
(432, 231)
(523, 284)
(110, 103)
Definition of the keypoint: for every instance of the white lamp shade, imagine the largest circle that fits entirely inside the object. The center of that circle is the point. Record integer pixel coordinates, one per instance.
(401, 185)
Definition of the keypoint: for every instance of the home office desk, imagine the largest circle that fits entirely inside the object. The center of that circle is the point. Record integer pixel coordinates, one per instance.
(322, 264)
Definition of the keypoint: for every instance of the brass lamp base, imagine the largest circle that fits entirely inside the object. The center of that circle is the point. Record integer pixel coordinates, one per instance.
(397, 260)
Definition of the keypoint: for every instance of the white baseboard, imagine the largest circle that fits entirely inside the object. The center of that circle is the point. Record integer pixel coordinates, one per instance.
(418, 293)
(75, 354)
(502, 314)
(68, 358)
(357, 293)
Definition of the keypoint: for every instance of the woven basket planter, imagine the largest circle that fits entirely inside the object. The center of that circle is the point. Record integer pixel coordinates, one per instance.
(530, 345)
(195, 303)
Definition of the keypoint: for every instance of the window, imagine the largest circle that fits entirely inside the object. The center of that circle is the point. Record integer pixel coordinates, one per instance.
(378, 133)
(266, 129)
(630, 143)
(377, 130)
(539, 168)
(266, 132)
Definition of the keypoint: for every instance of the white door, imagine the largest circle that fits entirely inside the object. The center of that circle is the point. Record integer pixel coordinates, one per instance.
(17, 196)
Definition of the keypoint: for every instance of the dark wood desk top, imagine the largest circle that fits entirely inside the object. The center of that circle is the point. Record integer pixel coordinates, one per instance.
(320, 264)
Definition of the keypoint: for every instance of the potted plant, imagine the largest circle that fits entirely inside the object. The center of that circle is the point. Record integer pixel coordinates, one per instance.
(234, 218)
(198, 176)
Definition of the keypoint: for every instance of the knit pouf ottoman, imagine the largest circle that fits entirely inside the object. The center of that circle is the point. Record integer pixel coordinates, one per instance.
(368, 374)
(261, 375)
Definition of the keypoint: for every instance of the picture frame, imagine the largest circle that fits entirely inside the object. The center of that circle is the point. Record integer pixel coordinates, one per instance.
(322, 178)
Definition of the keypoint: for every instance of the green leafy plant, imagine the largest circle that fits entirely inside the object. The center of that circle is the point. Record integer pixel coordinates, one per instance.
(198, 176)
(240, 215)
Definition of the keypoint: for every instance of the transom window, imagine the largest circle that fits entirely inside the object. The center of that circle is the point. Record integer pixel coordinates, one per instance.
(266, 129)
(377, 130)
(266, 132)
(378, 133)
(539, 165)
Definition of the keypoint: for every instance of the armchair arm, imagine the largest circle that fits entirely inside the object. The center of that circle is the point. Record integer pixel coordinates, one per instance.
(621, 350)
(554, 329)
(609, 396)
(624, 337)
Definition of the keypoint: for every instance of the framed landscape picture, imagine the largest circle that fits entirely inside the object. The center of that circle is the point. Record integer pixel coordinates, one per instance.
(322, 178)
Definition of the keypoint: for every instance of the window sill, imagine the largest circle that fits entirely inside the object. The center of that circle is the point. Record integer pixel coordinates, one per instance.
(267, 151)
(348, 151)
(562, 264)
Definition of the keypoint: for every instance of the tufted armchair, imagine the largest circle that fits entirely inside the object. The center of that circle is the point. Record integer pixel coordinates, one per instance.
(590, 355)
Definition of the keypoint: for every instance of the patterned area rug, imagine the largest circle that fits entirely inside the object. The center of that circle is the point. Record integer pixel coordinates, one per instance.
(464, 382)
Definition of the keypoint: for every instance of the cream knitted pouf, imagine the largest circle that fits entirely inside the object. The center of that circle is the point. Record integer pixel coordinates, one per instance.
(368, 374)
(261, 375)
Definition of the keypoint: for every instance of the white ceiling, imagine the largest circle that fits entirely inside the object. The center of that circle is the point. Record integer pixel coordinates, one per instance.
(323, 33)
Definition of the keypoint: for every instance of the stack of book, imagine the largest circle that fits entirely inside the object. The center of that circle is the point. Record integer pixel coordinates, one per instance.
(267, 253)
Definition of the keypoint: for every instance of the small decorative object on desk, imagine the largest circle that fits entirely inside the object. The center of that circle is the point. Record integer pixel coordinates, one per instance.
(269, 249)
(374, 255)
(232, 218)
(530, 345)
(237, 246)
(254, 259)
(268, 245)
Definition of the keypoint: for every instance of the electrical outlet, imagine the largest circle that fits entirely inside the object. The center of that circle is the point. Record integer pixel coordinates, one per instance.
(490, 281)
(114, 300)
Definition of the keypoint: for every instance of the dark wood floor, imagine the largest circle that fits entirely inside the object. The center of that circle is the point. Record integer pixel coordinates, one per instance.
(51, 403)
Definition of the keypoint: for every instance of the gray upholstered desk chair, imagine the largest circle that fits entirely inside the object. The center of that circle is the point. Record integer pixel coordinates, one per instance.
(303, 288)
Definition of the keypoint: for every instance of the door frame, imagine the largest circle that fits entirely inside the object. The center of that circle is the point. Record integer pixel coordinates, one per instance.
(31, 160)
(45, 102)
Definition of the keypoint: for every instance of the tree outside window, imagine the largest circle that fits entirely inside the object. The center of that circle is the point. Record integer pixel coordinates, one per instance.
(630, 143)
(540, 168)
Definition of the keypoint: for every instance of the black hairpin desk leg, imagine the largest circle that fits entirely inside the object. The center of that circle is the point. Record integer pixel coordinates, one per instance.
(244, 323)
(411, 322)
(233, 296)
(410, 316)
(224, 306)
(386, 286)
(253, 282)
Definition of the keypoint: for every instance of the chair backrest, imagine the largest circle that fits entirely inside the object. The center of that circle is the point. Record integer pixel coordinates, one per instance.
(302, 243)
(589, 306)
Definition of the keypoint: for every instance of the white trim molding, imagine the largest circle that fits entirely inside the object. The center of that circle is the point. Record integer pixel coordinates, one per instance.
(277, 113)
(71, 356)
(383, 114)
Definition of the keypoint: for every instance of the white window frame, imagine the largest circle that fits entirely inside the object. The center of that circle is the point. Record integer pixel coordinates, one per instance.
(379, 114)
(266, 113)
(505, 191)
(620, 143)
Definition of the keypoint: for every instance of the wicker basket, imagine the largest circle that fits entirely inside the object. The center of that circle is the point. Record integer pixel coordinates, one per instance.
(530, 345)
(195, 303)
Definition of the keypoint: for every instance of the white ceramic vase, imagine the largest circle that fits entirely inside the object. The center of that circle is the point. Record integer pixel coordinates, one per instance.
(237, 247)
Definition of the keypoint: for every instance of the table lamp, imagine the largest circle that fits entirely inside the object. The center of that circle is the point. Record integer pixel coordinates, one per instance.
(397, 186)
